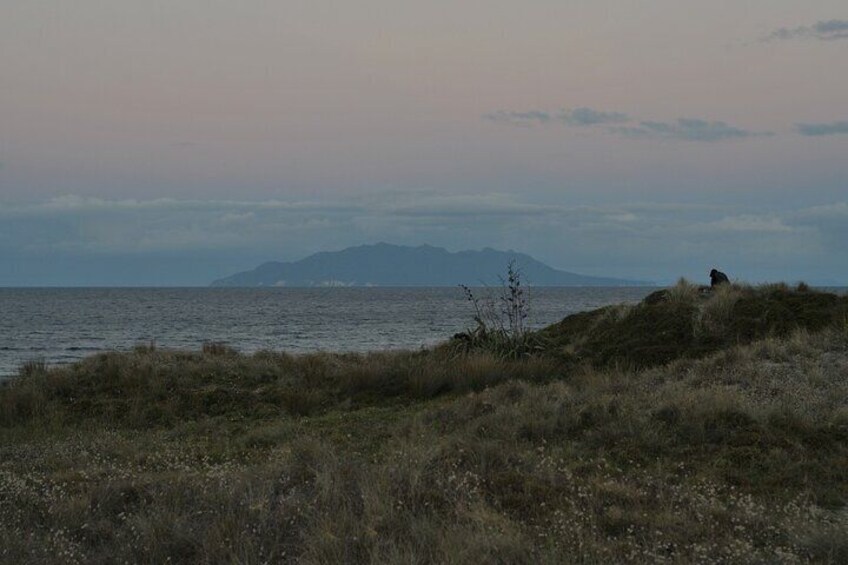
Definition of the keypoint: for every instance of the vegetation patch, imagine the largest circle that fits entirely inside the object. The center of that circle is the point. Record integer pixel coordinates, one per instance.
(712, 432)
(687, 321)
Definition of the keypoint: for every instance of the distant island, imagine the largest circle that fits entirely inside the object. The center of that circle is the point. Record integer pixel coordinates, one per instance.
(384, 264)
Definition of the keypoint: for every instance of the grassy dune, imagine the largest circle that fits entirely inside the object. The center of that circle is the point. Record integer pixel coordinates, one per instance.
(693, 427)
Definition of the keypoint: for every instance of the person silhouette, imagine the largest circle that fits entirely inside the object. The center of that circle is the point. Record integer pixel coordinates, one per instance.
(717, 278)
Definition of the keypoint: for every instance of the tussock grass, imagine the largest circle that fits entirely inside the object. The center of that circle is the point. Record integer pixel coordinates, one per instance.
(690, 321)
(218, 348)
(682, 293)
(716, 313)
(150, 388)
(439, 456)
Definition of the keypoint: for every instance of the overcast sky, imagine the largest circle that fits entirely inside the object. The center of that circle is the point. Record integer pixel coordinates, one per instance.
(172, 143)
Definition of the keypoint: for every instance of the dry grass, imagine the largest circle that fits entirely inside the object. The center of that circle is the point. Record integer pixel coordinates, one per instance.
(429, 457)
(687, 321)
(716, 313)
(154, 387)
(683, 293)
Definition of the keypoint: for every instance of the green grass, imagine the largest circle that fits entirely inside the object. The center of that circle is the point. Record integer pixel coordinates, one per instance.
(686, 321)
(717, 430)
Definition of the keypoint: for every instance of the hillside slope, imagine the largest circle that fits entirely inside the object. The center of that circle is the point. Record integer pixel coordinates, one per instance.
(686, 321)
(570, 454)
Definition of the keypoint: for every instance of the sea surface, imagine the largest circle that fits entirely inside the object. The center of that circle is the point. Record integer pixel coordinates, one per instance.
(64, 325)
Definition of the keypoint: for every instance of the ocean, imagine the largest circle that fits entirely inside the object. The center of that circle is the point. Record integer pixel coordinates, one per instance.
(64, 325)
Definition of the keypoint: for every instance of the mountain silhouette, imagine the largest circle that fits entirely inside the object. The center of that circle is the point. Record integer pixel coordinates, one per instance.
(383, 264)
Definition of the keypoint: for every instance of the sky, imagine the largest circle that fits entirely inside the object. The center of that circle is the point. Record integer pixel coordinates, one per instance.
(172, 143)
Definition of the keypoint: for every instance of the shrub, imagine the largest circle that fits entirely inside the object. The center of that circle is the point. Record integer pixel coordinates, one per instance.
(502, 320)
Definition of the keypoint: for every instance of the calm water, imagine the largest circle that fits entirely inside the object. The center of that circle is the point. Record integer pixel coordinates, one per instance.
(63, 325)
